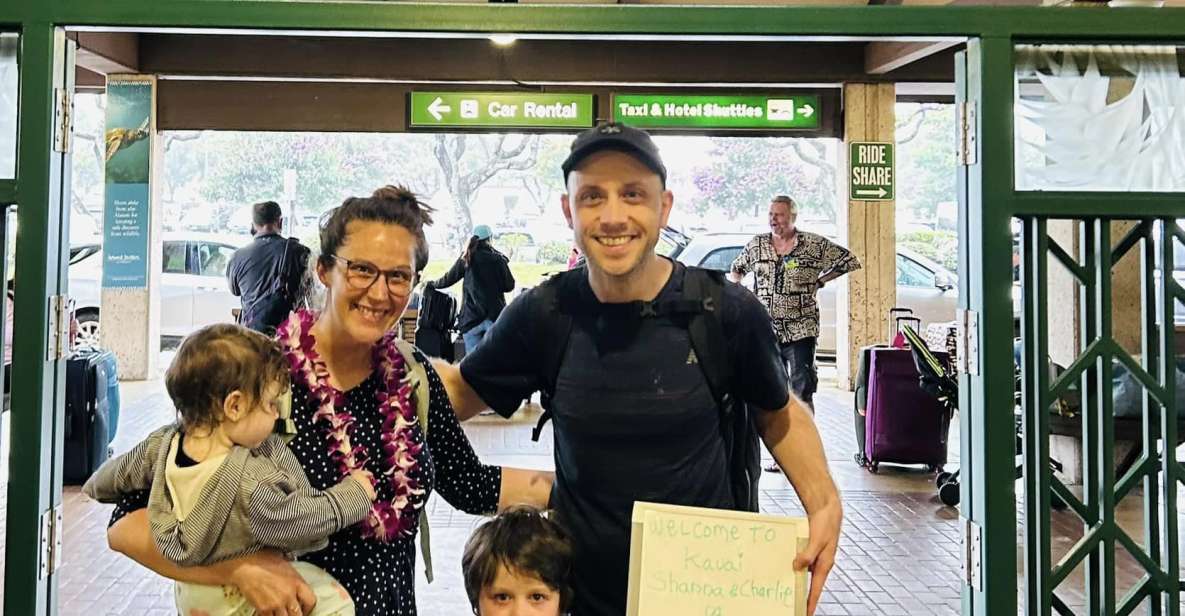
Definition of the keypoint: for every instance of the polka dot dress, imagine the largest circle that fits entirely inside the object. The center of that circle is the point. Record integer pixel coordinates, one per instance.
(381, 577)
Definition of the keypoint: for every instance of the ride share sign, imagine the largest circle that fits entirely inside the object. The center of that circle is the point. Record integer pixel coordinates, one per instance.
(872, 173)
(501, 110)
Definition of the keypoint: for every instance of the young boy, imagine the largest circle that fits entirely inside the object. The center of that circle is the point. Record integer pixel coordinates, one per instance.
(222, 484)
(518, 564)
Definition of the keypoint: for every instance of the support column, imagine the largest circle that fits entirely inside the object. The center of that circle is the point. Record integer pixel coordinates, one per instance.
(865, 296)
(129, 310)
(1126, 305)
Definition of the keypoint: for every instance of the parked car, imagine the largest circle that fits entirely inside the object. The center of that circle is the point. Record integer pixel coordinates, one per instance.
(193, 288)
(923, 285)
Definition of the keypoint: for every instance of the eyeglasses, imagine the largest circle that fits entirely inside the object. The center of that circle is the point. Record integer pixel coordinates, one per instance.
(361, 275)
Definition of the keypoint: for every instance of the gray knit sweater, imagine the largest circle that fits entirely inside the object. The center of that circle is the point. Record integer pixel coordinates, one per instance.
(257, 498)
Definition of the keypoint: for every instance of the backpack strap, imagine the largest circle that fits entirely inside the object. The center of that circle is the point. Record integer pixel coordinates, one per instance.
(422, 394)
(705, 328)
(704, 289)
(553, 316)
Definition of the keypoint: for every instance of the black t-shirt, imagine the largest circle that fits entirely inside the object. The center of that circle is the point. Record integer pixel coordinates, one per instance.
(633, 416)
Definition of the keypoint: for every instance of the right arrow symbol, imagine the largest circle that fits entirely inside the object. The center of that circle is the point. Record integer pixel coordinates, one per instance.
(438, 107)
(806, 110)
(880, 193)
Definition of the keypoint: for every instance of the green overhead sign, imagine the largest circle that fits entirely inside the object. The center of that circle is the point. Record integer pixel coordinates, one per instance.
(500, 110)
(872, 171)
(696, 111)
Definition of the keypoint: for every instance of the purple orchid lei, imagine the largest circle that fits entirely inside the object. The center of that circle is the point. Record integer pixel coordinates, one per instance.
(388, 519)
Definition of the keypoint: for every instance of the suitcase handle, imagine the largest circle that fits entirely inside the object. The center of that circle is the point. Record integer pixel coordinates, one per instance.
(897, 339)
(897, 313)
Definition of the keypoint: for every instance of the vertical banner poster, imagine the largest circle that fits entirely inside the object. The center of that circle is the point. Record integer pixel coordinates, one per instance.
(128, 150)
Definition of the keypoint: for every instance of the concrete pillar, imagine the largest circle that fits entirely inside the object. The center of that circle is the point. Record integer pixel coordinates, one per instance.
(1065, 326)
(865, 296)
(1126, 311)
(129, 311)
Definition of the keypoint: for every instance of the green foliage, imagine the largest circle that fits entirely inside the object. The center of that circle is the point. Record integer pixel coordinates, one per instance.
(511, 244)
(925, 158)
(249, 167)
(940, 246)
(746, 173)
(555, 252)
(525, 274)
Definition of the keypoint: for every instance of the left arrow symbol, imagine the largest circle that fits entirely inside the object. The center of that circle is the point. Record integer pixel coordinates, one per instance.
(437, 107)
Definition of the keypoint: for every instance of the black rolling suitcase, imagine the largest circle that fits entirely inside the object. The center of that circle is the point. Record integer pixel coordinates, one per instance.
(434, 326)
(87, 415)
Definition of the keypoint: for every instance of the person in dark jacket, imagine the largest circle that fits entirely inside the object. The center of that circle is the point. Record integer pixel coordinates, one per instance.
(271, 274)
(487, 279)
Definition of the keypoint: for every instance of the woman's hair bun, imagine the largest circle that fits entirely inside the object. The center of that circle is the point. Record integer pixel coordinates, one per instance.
(396, 193)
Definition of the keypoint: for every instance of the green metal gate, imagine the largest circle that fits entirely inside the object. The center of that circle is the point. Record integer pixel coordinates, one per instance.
(1156, 468)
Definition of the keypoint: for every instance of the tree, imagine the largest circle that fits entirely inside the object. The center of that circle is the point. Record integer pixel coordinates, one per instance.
(469, 161)
(925, 158)
(249, 167)
(87, 157)
(746, 173)
(544, 182)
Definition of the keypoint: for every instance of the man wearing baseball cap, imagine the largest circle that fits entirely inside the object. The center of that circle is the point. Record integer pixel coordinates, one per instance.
(633, 415)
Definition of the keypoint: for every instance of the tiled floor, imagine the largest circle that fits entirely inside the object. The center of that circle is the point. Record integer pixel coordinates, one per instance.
(899, 553)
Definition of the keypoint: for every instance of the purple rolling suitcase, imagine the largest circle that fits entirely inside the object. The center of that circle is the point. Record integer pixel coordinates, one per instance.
(905, 425)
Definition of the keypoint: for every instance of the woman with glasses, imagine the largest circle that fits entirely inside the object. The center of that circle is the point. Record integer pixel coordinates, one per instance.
(487, 281)
(353, 410)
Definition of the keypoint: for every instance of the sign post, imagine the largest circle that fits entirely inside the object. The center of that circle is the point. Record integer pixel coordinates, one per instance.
(871, 165)
(501, 110)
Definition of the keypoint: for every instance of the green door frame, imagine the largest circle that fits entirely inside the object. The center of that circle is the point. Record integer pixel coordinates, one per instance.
(35, 482)
(988, 202)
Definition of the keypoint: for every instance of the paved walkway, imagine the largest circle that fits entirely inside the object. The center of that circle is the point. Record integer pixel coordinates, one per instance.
(900, 552)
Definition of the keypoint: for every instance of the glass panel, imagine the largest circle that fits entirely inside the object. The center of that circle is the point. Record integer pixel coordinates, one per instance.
(1100, 117)
(911, 274)
(214, 259)
(9, 42)
(174, 257)
(721, 260)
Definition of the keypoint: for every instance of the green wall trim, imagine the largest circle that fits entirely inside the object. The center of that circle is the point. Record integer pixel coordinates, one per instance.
(1018, 22)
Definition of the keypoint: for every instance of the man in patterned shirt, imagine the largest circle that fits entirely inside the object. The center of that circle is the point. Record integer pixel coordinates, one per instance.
(789, 267)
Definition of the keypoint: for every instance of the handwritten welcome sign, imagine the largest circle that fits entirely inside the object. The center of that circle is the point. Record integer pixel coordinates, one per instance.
(689, 561)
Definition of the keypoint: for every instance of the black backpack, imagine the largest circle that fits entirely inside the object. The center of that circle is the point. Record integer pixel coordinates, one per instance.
(698, 310)
(438, 310)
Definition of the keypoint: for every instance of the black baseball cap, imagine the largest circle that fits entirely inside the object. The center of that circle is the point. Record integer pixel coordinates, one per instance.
(614, 136)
